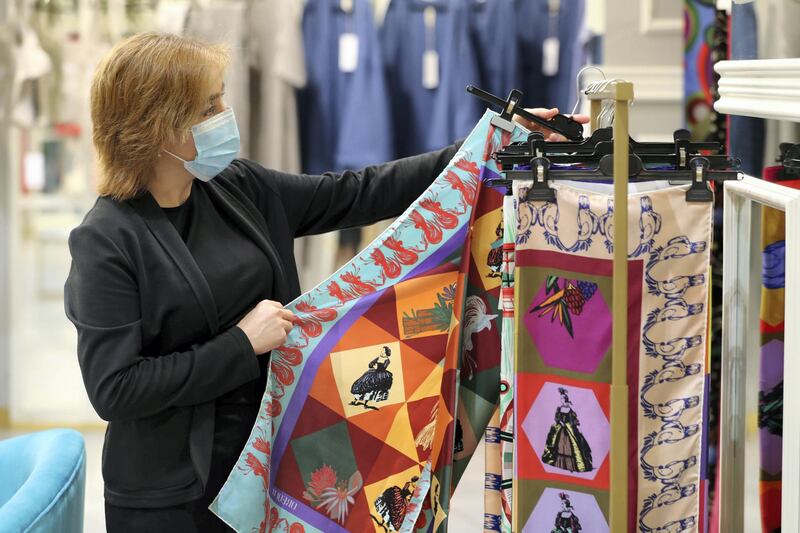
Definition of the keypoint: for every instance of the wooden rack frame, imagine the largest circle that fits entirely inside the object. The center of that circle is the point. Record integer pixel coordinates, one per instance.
(621, 92)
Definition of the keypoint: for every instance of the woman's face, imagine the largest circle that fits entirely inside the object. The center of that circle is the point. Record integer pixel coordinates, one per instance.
(216, 104)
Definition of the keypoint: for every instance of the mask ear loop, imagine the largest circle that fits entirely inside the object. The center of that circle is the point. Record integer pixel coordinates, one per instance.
(173, 155)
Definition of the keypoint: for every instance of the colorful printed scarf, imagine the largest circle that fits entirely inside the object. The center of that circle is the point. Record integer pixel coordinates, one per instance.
(563, 360)
(770, 396)
(377, 401)
(500, 431)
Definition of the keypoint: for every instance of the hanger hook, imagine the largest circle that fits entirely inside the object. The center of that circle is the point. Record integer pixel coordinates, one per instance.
(578, 83)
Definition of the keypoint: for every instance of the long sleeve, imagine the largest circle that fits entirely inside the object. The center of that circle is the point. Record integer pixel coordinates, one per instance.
(101, 298)
(332, 201)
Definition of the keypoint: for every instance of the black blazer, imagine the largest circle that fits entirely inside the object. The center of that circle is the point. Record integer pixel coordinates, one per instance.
(151, 354)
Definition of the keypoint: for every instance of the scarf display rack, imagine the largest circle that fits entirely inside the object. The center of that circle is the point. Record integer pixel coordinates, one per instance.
(622, 163)
(763, 89)
(621, 94)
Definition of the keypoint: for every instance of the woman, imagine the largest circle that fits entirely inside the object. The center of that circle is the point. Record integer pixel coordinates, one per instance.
(181, 269)
(566, 447)
(566, 519)
(374, 384)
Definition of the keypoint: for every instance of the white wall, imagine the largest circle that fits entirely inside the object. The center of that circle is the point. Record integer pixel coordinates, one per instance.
(644, 44)
(5, 354)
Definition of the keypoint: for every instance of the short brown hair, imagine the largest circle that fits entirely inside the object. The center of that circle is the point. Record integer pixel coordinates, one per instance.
(149, 89)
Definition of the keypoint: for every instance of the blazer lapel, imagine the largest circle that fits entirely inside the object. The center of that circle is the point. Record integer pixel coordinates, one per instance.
(252, 222)
(160, 226)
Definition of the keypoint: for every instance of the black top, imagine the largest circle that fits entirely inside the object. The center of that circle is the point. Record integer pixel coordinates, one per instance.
(153, 352)
(238, 272)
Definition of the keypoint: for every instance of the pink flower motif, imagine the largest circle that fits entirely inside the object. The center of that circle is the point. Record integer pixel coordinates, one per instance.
(326, 491)
(321, 479)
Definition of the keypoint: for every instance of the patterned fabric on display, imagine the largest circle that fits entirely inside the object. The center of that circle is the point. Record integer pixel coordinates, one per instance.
(499, 433)
(698, 76)
(377, 401)
(563, 328)
(770, 396)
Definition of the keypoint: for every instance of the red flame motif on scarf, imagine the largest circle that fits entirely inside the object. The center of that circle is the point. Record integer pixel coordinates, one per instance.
(391, 268)
(402, 254)
(433, 233)
(311, 322)
(282, 360)
(340, 294)
(467, 190)
(361, 288)
(470, 167)
(442, 216)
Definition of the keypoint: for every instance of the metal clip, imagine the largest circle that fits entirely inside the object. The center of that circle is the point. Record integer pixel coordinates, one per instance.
(540, 191)
(699, 190)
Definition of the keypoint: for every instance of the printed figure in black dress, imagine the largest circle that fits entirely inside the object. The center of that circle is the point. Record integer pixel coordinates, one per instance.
(566, 448)
(375, 383)
(392, 505)
(494, 260)
(566, 520)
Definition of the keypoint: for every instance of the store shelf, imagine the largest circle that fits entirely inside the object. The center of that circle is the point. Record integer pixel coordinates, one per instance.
(768, 88)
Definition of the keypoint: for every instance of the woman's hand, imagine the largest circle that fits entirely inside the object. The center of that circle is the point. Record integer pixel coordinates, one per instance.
(267, 326)
(547, 114)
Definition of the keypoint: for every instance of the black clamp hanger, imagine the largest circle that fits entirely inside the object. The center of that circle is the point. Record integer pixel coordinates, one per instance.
(698, 171)
(677, 152)
(699, 191)
(562, 124)
(790, 159)
(675, 155)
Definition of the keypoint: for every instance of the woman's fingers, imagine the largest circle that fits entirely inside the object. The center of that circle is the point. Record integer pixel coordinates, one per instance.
(547, 114)
(581, 119)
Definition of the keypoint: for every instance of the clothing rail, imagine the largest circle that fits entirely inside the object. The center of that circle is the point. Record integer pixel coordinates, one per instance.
(764, 89)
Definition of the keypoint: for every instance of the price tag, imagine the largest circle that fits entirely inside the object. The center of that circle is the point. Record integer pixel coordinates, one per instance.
(348, 52)
(430, 69)
(550, 52)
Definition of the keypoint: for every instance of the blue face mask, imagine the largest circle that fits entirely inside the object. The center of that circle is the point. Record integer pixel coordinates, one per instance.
(217, 142)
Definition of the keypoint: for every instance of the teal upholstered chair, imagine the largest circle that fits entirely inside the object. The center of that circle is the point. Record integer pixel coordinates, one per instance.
(42, 481)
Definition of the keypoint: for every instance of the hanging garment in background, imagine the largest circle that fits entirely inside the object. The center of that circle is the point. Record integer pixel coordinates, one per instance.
(227, 23)
(770, 396)
(360, 423)
(495, 45)
(563, 328)
(551, 39)
(430, 60)
(344, 108)
(277, 71)
(746, 134)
